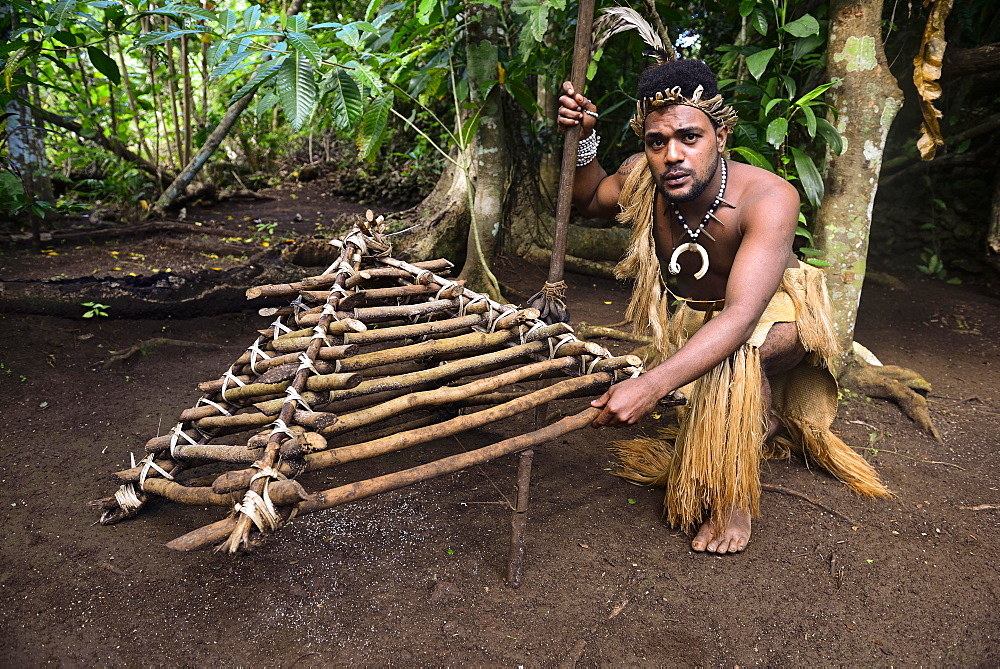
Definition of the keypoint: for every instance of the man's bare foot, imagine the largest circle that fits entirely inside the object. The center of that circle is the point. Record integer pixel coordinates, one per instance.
(723, 537)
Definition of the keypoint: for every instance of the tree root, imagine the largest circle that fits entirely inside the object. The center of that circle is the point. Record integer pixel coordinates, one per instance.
(146, 346)
(903, 386)
(770, 487)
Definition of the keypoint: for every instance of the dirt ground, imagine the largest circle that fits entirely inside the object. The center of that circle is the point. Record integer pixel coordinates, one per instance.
(416, 577)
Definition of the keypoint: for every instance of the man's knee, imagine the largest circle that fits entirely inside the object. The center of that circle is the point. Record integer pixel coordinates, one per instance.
(781, 349)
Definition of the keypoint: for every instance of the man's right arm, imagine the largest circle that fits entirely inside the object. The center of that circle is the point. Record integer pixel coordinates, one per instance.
(595, 192)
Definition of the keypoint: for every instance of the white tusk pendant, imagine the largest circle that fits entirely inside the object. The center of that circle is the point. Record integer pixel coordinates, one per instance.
(675, 268)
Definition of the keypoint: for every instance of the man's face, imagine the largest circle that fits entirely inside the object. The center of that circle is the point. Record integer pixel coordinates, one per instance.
(683, 150)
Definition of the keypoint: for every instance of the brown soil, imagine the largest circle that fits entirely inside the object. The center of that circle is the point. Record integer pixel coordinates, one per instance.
(416, 577)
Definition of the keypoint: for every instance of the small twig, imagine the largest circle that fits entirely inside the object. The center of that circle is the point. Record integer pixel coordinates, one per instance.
(770, 487)
(981, 507)
(144, 347)
(926, 462)
(618, 609)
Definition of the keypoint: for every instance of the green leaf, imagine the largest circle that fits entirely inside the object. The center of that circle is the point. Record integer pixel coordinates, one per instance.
(324, 26)
(963, 147)
(770, 105)
(250, 17)
(776, 132)
(424, 11)
(61, 11)
(802, 232)
(350, 36)
(802, 27)
(753, 157)
(469, 128)
(809, 251)
(217, 52)
(816, 262)
(373, 123)
(155, 37)
(105, 64)
(345, 98)
(759, 22)
(525, 97)
(296, 86)
(810, 117)
(806, 45)
(64, 37)
(305, 44)
(746, 6)
(757, 62)
(230, 64)
(831, 136)
(812, 182)
(266, 103)
(227, 20)
(816, 92)
(192, 11)
(296, 23)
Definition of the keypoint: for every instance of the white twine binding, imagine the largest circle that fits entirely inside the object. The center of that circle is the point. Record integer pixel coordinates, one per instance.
(221, 409)
(226, 378)
(175, 434)
(293, 396)
(255, 351)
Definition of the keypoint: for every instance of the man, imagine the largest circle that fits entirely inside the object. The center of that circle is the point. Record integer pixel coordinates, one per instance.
(723, 231)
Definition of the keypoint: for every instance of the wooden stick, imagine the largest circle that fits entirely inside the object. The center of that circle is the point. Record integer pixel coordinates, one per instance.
(448, 428)
(292, 289)
(439, 396)
(325, 353)
(211, 534)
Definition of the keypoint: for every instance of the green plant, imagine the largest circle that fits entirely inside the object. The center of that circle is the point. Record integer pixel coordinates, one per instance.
(95, 309)
(266, 228)
(932, 266)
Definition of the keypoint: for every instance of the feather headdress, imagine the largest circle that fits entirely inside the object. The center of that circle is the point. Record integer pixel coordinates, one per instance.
(622, 19)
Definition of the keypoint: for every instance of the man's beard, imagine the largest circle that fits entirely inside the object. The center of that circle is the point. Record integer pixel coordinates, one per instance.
(698, 186)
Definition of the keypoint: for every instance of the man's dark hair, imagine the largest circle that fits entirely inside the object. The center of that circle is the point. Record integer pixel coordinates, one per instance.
(688, 74)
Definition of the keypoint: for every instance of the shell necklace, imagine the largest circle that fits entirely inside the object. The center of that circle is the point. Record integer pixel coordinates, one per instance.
(693, 245)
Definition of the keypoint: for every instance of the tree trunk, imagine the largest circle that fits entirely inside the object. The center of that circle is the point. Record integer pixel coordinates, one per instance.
(866, 101)
(993, 236)
(488, 155)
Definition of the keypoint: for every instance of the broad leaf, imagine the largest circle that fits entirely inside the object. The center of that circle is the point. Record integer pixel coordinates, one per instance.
(306, 45)
(757, 62)
(296, 87)
(776, 132)
(746, 6)
(752, 157)
(816, 92)
(812, 182)
(831, 136)
(263, 73)
(802, 27)
(810, 121)
(230, 64)
(251, 16)
(266, 103)
(806, 45)
(227, 20)
(371, 134)
(105, 64)
(345, 98)
(155, 37)
(759, 22)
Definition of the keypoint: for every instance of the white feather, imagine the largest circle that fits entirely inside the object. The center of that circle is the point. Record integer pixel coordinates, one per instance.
(622, 19)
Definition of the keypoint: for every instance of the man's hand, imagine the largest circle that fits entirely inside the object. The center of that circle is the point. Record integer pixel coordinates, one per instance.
(626, 403)
(571, 111)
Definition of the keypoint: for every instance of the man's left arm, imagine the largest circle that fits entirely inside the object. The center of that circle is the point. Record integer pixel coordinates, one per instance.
(764, 252)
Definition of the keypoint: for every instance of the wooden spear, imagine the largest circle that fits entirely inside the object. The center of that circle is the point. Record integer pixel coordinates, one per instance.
(551, 299)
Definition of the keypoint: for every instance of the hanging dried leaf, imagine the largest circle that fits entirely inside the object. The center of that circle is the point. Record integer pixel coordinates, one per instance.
(926, 72)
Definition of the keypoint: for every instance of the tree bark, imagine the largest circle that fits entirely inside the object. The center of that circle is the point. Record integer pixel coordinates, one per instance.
(993, 235)
(866, 101)
(488, 155)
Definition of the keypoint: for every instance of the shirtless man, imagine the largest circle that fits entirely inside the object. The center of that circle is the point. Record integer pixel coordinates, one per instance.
(748, 243)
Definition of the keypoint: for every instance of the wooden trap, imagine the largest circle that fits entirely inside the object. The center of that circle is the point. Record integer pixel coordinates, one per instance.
(373, 356)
